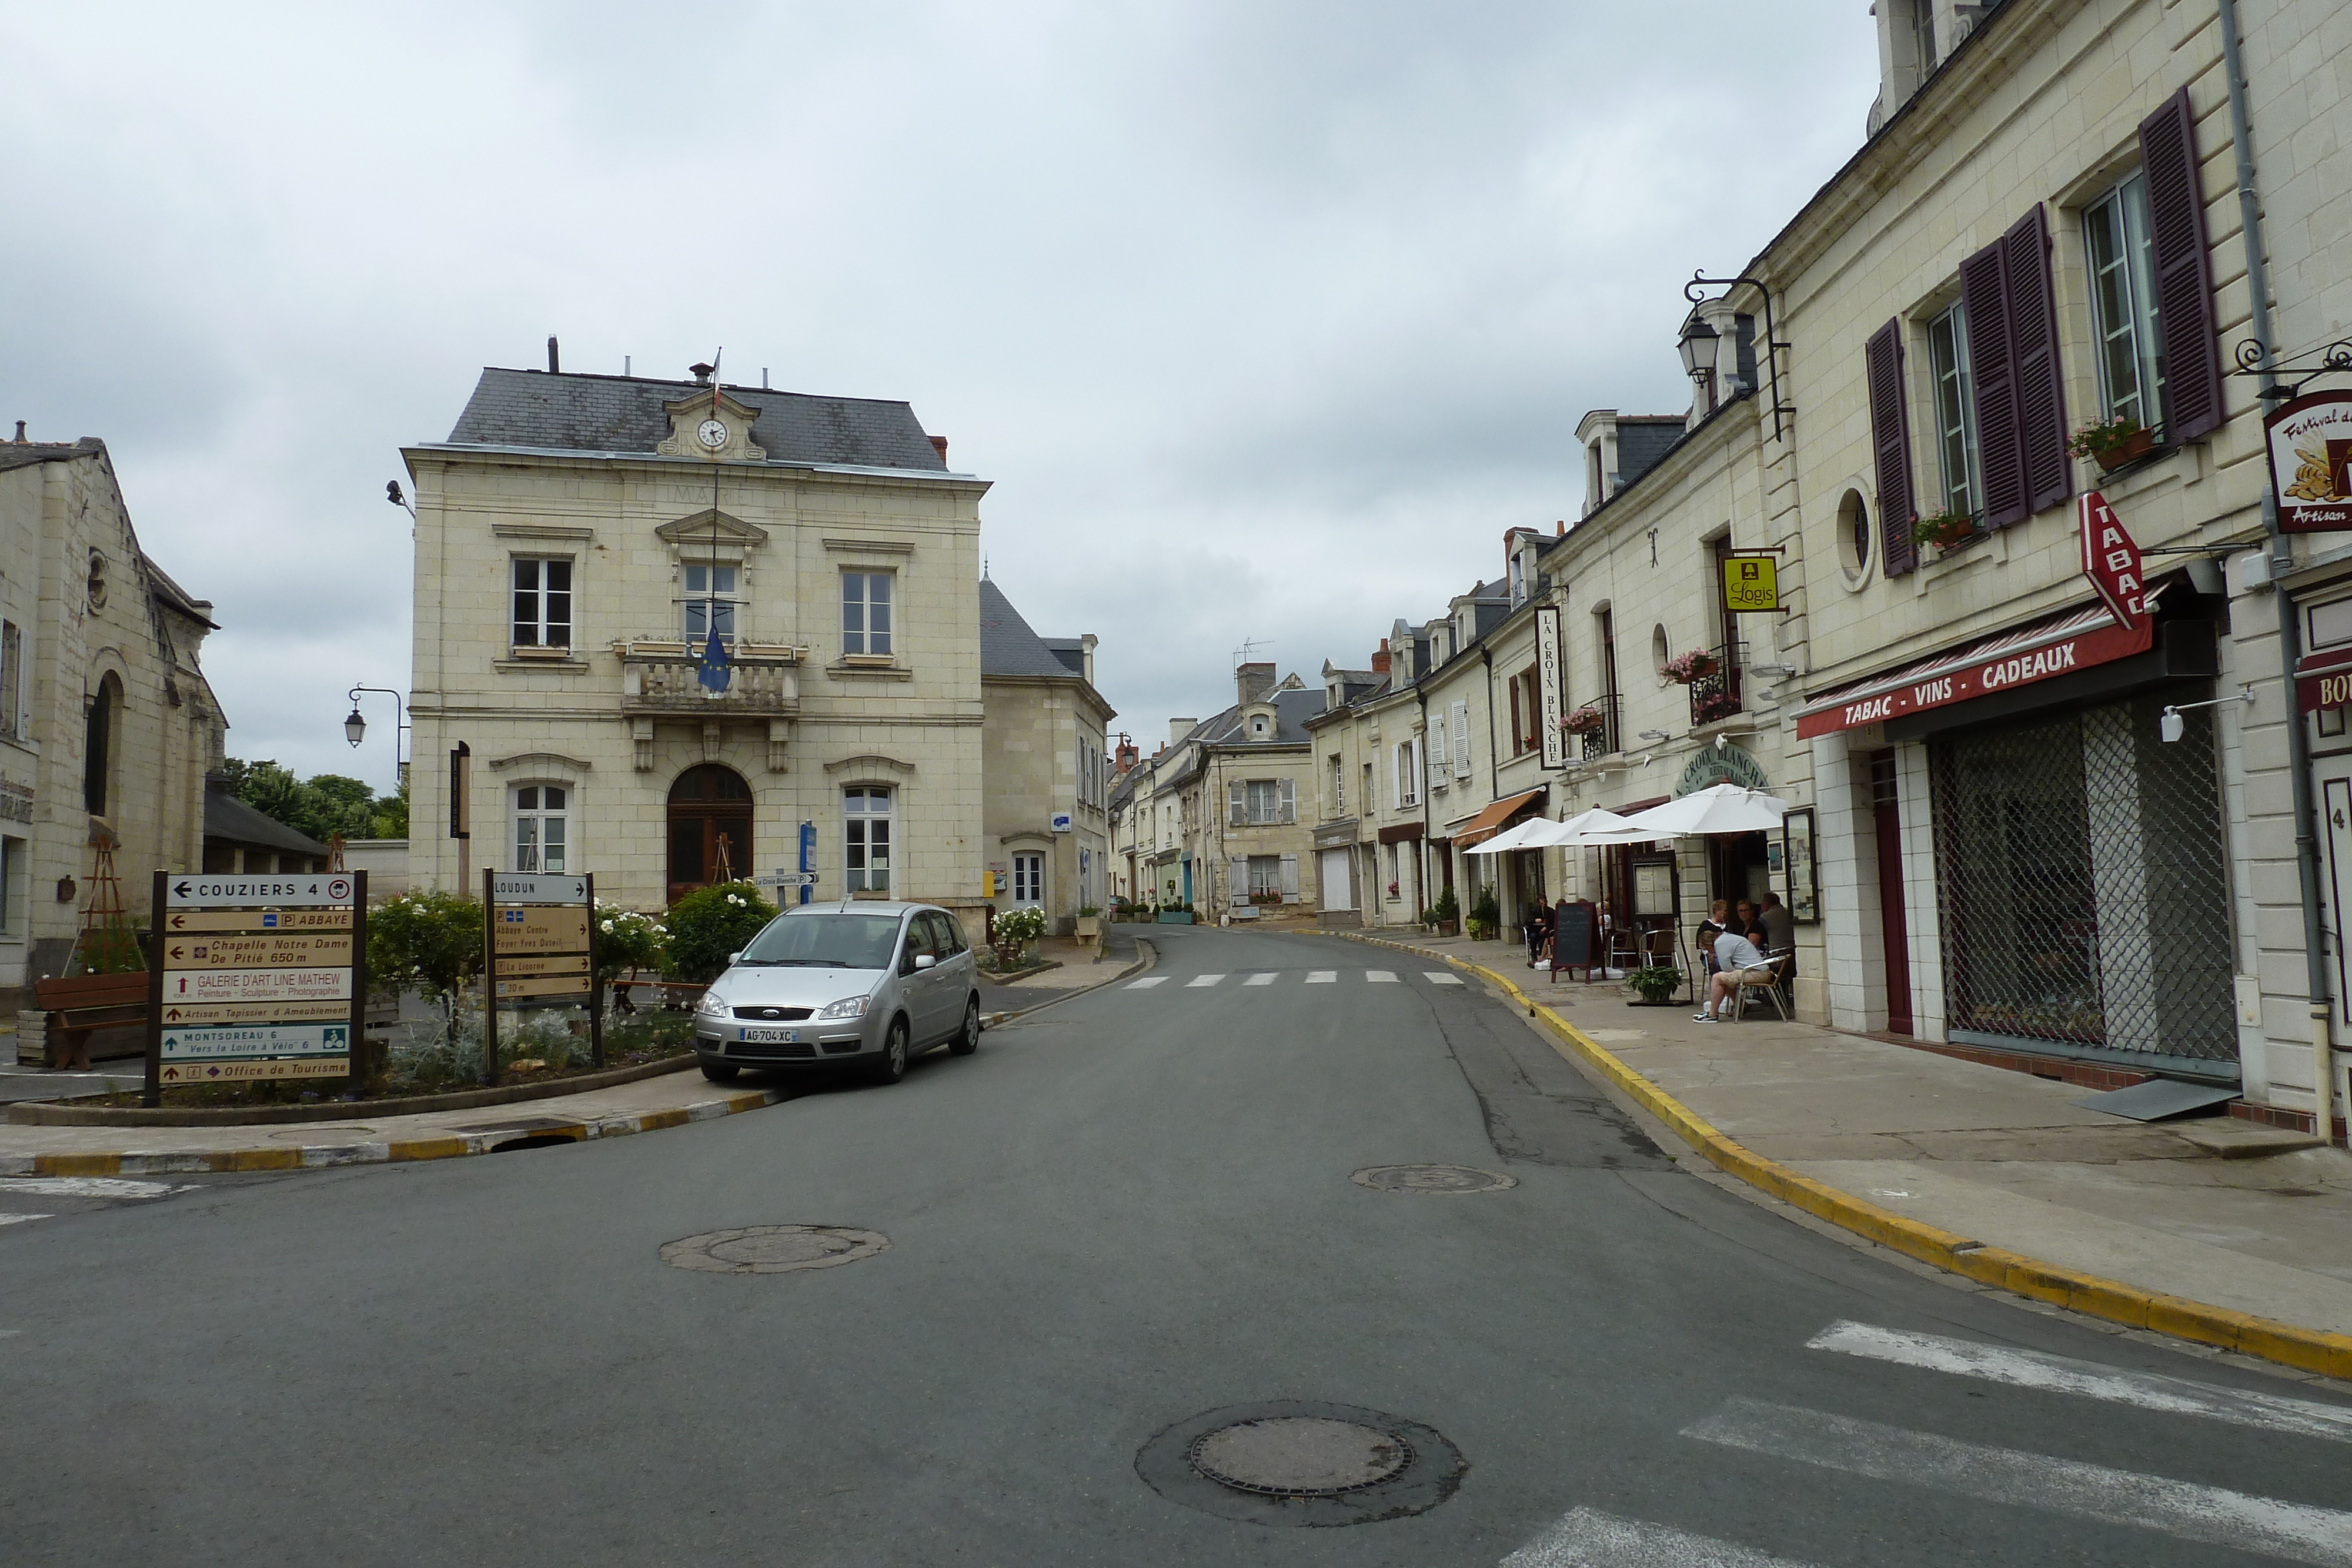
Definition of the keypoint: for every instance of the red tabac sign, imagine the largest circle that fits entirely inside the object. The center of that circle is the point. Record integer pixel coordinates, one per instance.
(2111, 560)
(1956, 680)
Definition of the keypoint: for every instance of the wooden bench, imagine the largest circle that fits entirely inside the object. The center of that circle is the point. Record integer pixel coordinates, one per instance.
(79, 1007)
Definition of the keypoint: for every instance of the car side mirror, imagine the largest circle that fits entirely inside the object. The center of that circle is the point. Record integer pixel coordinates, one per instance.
(734, 958)
(926, 961)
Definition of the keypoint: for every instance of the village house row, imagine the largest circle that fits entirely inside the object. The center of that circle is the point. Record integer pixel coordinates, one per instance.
(2015, 831)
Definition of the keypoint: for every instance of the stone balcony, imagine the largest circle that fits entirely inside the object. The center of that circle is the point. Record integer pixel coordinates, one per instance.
(658, 680)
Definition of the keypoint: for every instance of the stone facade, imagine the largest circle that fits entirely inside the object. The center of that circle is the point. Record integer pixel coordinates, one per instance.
(107, 724)
(1047, 814)
(826, 534)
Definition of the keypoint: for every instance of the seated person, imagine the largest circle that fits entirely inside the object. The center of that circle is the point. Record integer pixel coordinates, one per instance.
(1718, 918)
(1736, 959)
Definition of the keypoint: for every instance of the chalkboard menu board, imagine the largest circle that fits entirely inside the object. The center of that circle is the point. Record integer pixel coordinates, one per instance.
(1572, 942)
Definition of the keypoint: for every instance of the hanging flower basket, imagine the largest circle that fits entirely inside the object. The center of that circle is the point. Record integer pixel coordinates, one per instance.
(2112, 443)
(1695, 666)
(1584, 721)
(1945, 529)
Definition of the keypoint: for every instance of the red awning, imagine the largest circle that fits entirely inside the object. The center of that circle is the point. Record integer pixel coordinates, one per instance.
(2054, 645)
(1400, 832)
(1498, 816)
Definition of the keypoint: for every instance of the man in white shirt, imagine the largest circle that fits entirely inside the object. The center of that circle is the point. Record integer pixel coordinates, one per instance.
(1735, 960)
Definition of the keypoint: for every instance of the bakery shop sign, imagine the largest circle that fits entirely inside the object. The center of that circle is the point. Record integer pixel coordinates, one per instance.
(2310, 443)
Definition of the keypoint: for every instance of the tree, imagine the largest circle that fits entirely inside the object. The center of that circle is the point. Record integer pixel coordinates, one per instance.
(323, 806)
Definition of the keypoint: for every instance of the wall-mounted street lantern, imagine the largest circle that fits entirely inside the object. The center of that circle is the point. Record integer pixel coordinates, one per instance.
(1701, 344)
(355, 726)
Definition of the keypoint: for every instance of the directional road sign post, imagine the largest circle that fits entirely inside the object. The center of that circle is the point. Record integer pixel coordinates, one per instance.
(787, 879)
(256, 977)
(538, 949)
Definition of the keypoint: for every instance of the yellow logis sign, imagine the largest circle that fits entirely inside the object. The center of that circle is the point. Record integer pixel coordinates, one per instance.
(1750, 583)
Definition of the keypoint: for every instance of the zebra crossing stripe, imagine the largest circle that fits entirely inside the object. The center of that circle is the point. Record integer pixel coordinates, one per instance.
(1588, 1538)
(85, 1186)
(1261, 979)
(1322, 976)
(1146, 983)
(19, 1219)
(2062, 1375)
(2295, 1532)
(1439, 977)
(1204, 980)
(1388, 975)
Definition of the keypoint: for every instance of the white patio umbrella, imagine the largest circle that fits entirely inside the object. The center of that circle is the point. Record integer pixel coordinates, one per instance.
(1720, 809)
(1511, 838)
(1582, 828)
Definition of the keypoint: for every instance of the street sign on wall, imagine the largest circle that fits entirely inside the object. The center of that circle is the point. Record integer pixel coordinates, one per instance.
(1550, 686)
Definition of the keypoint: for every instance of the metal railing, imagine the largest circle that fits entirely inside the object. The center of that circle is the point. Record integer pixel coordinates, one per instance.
(1601, 742)
(1717, 697)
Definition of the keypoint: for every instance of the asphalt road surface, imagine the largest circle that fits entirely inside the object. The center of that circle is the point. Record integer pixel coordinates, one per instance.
(1119, 1218)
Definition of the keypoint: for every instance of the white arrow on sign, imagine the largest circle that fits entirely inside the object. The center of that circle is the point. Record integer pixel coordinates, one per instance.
(533, 887)
(287, 892)
(787, 879)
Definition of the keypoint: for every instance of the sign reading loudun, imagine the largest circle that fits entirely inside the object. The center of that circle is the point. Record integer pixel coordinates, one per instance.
(255, 978)
(539, 950)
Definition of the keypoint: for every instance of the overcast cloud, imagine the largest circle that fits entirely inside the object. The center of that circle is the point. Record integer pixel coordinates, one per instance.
(1265, 319)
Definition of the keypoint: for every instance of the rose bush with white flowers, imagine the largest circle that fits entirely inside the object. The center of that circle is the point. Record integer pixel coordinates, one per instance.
(628, 942)
(709, 924)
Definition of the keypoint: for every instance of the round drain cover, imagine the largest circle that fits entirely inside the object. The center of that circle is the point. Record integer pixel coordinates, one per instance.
(1295, 1464)
(1432, 1178)
(1299, 1456)
(773, 1248)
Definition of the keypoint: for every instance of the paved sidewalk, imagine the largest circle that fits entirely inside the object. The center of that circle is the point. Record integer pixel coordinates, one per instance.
(1081, 970)
(669, 1099)
(2211, 1209)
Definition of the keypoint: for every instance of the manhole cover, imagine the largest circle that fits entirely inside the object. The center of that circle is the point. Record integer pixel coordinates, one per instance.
(773, 1248)
(1432, 1178)
(1309, 1465)
(1299, 1456)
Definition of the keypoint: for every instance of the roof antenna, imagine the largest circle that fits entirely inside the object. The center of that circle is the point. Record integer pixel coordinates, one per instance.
(1249, 646)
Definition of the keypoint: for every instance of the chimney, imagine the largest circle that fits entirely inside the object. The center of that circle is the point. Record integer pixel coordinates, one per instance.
(20, 435)
(1178, 728)
(701, 374)
(1253, 682)
(940, 445)
(1559, 530)
(1381, 660)
(555, 364)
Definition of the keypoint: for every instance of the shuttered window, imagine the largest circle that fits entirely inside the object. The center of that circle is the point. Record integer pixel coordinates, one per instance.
(1956, 410)
(2122, 305)
(2184, 284)
(2014, 360)
(1890, 440)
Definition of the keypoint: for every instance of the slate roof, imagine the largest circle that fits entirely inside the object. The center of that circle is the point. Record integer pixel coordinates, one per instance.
(1007, 646)
(624, 413)
(1642, 440)
(227, 817)
(1293, 708)
(13, 455)
(1071, 651)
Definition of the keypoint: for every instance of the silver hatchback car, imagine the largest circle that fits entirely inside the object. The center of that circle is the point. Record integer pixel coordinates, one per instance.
(864, 984)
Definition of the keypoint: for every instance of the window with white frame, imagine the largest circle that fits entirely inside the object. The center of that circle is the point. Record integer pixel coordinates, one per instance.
(1955, 411)
(1408, 775)
(865, 817)
(708, 600)
(543, 601)
(1338, 787)
(866, 623)
(1029, 877)
(543, 827)
(1264, 876)
(2124, 304)
(1264, 800)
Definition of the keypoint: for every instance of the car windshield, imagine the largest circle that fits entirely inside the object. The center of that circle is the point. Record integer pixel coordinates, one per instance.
(835, 941)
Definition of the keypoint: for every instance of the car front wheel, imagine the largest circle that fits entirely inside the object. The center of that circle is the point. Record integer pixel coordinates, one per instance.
(720, 1072)
(967, 1039)
(893, 1065)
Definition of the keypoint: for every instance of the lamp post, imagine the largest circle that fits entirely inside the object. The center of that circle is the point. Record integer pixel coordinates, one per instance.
(1700, 345)
(355, 727)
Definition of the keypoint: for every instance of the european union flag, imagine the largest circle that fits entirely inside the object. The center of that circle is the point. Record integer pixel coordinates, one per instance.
(713, 671)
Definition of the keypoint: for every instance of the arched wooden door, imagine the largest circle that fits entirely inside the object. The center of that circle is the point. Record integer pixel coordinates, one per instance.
(710, 827)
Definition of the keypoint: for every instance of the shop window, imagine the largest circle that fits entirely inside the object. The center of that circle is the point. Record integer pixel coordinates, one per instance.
(1956, 410)
(2124, 304)
(541, 827)
(710, 602)
(865, 834)
(543, 601)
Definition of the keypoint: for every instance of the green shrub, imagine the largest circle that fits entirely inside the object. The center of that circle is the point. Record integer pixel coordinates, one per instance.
(1446, 907)
(627, 941)
(709, 922)
(1483, 911)
(1013, 930)
(429, 940)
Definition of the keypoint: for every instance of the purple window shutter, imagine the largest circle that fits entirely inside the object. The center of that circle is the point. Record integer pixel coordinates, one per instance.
(2034, 360)
(1984, 299)
(1890, 440)
(2184, 282)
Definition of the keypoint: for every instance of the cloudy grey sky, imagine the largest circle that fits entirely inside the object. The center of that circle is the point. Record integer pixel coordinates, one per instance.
(1266, 318)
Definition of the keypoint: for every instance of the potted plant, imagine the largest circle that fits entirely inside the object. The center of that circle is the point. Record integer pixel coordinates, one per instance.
(1011, 934)
(1089, 923)
(1695, 666)
(1584, 721)
(2112, 443)
(1486, 917)
(1945, 530)
(1175, 914)
(1446, 913)
(1656, 983)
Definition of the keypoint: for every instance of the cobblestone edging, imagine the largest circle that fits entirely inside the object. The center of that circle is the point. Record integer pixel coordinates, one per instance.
(2311, 1350)
(446, 1145)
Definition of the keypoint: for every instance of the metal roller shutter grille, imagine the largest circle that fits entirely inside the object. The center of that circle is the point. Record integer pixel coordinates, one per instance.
(2084, 883)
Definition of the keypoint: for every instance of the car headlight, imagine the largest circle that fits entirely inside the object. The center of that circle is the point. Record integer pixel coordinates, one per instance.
(848, 1008)
(710, 1006)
